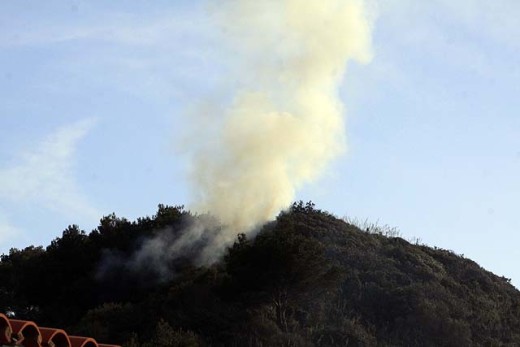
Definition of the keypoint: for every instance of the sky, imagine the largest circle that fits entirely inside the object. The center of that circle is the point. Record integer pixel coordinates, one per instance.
(96, 99)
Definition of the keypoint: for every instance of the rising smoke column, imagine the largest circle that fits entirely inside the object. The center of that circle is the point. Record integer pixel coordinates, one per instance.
(283, 126)
(285, 123)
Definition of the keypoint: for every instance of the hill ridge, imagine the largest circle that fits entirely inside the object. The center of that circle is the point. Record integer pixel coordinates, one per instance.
(306, 279)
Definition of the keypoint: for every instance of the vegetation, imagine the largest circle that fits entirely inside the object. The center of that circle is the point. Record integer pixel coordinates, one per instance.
(306, 279)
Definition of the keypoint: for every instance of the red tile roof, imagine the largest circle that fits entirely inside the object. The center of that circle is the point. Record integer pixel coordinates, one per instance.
(21, 332)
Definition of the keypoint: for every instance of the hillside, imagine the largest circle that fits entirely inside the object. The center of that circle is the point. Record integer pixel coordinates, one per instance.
(307, 279)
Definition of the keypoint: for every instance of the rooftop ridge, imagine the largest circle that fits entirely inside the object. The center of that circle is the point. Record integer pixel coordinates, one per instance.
(29, 334)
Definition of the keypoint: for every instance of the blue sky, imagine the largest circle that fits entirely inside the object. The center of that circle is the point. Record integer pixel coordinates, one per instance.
(95, 99)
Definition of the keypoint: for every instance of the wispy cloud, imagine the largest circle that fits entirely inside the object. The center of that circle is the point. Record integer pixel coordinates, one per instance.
(474, 38)
(496, 21)
(132, 30)
(155, 55)
(44, 174)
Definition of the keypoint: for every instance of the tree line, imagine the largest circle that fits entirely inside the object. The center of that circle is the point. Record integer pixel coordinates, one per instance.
(306, 279)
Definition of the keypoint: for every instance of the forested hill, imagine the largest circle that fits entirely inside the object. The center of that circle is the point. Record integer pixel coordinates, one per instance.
(307, 279)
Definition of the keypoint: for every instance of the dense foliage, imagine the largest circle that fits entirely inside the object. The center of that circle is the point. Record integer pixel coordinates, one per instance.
(306, 279)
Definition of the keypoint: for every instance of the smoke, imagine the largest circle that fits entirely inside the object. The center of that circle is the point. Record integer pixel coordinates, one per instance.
(160, 257)
(285, 123)
(283, 126)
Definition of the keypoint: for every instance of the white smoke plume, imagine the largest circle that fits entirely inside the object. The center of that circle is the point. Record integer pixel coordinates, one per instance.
(284, 125)
(159, 258)
(286, 122)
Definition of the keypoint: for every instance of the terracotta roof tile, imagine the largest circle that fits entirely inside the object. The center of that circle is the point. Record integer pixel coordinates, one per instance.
(5, 330)
(55, 337)
(26, 333)
(78, 341)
